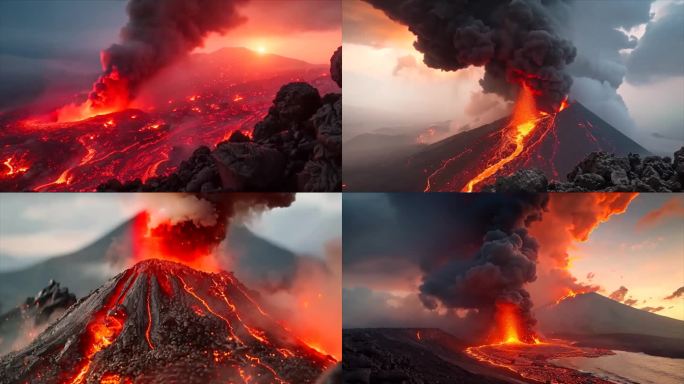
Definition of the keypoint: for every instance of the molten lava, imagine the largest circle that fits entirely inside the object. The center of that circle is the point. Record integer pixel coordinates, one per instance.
(110, 94)
(83, 145)
(503, 151)
(524, 121)
(508, 323)
(144, 326)
(185, 242)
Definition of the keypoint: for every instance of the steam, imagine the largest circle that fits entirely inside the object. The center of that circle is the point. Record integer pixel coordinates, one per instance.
(157, 34)
(515, 41)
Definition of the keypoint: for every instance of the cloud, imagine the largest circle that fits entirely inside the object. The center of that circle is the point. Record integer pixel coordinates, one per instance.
(678, 293)
(652, 309)
(590, 275)
(619, 294)
(268, 17)
(365, 25)
(631, 302)
(660, 52)
(672, 208)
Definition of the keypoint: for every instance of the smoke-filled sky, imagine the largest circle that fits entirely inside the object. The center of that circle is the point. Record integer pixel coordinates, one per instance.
(394, 244)
(49, 45)
(629, 69)
(36, 226)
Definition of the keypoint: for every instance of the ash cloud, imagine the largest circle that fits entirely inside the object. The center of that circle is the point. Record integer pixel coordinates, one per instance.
(515, 41)
(660, 52)
(469, 261)
(157, 34)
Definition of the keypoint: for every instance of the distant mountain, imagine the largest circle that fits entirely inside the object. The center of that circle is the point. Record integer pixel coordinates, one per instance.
(554, 146)
(596, 320)
(591, 313)
(88, 268)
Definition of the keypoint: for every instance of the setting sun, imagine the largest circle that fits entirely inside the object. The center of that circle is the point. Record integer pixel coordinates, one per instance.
(261, 49)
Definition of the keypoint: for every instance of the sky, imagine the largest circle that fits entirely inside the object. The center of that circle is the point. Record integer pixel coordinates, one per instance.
(629, 70)
(418, 237)
(37, 226)
(49, 45)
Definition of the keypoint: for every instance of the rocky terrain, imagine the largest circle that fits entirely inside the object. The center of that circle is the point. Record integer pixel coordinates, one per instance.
(604, 172)
(386, 356)
(296, 147)
(22, 322)
(163, 322)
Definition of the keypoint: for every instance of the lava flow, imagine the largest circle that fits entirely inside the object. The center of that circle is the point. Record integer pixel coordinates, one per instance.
(506, 149)
(80, 146)
(526, 118)
(526, 354)
(159, 321)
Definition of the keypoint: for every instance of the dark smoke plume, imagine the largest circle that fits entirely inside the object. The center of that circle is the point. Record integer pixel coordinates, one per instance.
(480, 262)
(514, 40)
(496, 275)
(158, 32)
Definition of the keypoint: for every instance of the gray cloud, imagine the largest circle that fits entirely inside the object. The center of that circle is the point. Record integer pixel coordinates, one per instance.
(660, 52)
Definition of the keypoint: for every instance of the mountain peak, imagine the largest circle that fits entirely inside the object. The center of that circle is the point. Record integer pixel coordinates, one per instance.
(159, 321)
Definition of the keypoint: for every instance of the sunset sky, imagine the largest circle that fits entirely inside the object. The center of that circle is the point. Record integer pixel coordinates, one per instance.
(387, 84)
(50, 45)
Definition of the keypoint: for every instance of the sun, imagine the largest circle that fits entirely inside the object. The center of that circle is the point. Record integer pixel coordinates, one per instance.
(261, 50)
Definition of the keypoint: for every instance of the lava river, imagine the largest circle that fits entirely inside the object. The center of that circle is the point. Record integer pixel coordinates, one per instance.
(46, 155)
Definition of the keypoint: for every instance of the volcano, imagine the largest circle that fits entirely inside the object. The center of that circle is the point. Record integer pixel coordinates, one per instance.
(199, 101)
(595, 320)
(554, 144)
(163, 322)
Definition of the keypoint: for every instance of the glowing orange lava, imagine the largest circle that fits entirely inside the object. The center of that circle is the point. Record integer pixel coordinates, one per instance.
(114, 98)
(525, 116)
(14, 170)
(103, 329)
(507, 321)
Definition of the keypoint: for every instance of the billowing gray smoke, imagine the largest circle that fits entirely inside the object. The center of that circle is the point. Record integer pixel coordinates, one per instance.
(495, 276)
(514, 40)
(474, 251)
(158, 33)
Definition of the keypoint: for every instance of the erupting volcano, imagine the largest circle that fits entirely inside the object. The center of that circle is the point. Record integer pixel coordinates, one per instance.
(156, 100)
(160, 322)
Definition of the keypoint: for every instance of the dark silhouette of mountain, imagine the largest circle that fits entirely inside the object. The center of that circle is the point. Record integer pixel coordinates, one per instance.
(598, 321)
(555, 146)
(162, 322)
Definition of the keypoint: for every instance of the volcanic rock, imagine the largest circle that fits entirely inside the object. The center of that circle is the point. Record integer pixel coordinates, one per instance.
(296, 147)
(163, 322)
(526, 180)
(336, 67)
(33, 313)
(605, 172)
